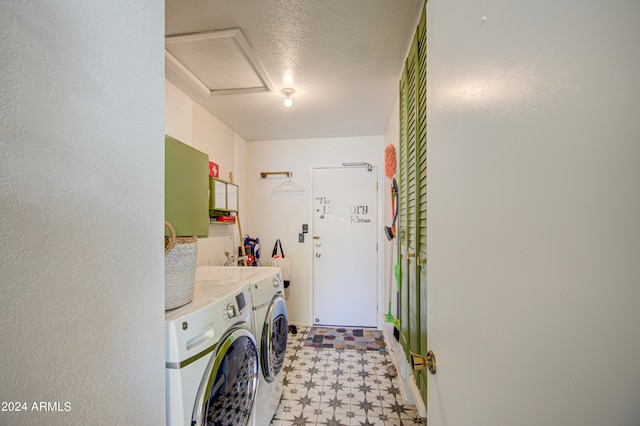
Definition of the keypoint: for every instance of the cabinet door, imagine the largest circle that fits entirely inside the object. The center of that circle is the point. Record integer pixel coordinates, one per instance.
(232, 197)
(186, 188)
(218, 195)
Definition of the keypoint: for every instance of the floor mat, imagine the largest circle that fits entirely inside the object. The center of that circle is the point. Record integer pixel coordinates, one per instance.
(361, 339)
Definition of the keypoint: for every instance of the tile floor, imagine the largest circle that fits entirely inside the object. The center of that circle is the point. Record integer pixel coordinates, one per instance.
(340, 387)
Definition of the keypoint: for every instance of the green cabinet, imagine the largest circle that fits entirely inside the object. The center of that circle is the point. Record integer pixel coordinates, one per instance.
(186, 188)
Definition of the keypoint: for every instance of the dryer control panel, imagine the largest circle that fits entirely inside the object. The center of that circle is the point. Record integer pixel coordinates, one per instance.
(237, 307)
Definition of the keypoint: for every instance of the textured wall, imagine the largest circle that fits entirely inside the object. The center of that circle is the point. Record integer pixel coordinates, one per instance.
(81, 202)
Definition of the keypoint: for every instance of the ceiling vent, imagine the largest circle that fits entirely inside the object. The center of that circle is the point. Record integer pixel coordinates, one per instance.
(216, 63)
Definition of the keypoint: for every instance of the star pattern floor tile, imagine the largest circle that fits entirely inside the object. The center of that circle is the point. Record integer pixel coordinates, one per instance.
(340, 387)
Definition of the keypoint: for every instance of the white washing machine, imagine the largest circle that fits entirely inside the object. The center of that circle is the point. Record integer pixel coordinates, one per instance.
(270, 327)
(212, 358)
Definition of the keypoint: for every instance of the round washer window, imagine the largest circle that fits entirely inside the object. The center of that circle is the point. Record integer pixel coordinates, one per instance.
(273, 351)
(231, 384)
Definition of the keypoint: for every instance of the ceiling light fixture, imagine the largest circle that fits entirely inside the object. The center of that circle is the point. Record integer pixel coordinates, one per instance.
(287, 96)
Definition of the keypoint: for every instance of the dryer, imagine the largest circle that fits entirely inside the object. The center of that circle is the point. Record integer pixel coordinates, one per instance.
(212, 358)
(270, 327)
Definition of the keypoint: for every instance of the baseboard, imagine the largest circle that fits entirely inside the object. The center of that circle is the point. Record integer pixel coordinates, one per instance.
(417, 397)
(408, 388)
(395, 350)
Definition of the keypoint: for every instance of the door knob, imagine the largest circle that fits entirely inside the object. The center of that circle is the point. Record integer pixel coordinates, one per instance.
(418, 362)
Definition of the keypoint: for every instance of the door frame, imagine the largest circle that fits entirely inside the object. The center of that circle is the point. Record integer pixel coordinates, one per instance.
(382, 198)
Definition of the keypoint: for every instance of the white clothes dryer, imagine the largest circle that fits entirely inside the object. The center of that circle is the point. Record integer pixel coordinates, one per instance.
(270, 327)
(212, 358)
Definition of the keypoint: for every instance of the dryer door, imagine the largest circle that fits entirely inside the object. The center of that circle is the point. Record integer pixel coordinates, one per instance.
(274, 338)
(229, 384)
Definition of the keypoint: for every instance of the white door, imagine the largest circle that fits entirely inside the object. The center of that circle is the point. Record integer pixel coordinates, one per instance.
(533, 214)
(345, 232)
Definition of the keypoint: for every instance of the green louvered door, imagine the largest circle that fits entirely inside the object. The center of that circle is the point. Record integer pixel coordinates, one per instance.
(409, 316)
(413, 203)
(421, 202)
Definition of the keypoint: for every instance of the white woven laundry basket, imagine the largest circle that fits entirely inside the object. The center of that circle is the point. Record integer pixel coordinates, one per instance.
(180, 254)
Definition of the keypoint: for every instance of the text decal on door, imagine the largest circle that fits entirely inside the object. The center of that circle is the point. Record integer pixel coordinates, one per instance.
(355, 213)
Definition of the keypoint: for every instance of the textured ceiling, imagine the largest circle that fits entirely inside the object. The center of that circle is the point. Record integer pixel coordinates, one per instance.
(342, 57)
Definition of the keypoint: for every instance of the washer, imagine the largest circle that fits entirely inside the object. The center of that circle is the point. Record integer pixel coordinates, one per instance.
(270, 327)
(212, 358)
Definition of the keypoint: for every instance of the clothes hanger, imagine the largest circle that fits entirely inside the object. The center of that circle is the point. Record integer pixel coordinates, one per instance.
(288, 186)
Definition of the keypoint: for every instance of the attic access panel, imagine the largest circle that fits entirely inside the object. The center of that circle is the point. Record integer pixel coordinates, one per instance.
(216, 62)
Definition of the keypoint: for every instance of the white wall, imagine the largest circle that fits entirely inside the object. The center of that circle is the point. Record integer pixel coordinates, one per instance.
(391, 137)
(534, 200)
(280, 215)
(191, 124)
(81, 200)
(178, 114)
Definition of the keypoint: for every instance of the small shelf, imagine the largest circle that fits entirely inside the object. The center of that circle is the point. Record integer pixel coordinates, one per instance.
(223, 197)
